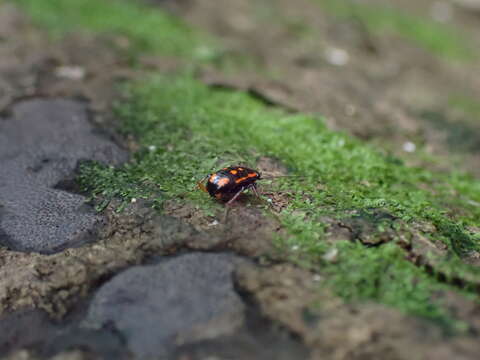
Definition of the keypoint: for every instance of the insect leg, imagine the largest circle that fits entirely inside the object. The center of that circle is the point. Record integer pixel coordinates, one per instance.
(225, 214)
(255, 190)
(200, 184)
(236, 196)
(229, 203)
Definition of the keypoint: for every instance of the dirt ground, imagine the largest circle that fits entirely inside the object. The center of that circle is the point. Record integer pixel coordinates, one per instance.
(255, 304)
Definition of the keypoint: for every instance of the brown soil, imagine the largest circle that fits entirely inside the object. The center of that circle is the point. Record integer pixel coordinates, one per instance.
(32, 66)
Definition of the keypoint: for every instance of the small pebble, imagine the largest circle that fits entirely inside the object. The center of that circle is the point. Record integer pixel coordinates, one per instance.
(204, 52)
(350, 110)
(337, 57)
(409, 147)
(331, 255)
(317, 278)
(214, 223)
(70, 72)
(134, 200)
(441, 11)
(295, 247)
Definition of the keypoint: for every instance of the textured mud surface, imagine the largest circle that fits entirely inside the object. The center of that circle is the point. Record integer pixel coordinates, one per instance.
(334, 330)
(52, 283)
(56, 283)
(41, 145)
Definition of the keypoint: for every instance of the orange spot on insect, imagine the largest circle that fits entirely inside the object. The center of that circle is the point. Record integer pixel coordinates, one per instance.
(212, 178)
(238, 181)
(250, 175)
(223, 182)
(241, 169)
(234, 172)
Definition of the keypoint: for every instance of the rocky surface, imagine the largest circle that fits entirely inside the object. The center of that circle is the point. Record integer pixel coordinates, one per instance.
(41, 145)
(180, 300)
(35, 330)
(211, 316)
(53, 283)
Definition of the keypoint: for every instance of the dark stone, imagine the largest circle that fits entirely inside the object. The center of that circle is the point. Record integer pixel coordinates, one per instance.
(41, 145)
(178, 301)
(258, 339)
(34, 330)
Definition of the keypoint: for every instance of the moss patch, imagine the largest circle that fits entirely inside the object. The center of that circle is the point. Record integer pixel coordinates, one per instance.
(186, 127)
(438, 38)
(147, 28)
(383, 275)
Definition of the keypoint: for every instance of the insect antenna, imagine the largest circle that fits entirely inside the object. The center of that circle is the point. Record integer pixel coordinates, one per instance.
(201, 185)
(282, 176)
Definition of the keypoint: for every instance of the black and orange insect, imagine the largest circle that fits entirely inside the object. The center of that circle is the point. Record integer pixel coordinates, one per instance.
(228, 183)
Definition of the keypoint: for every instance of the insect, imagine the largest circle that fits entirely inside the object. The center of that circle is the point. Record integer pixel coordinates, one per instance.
(228, 183)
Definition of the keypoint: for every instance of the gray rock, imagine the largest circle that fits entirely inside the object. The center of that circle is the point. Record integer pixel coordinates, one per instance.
(41, 145)
(155, 308)
(34, 330)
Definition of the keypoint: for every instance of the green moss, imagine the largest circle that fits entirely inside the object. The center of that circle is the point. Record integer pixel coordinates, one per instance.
(107, 183)
(191, 126)
(383, 275)
(147, 28)
(440, 39)
(186, 127)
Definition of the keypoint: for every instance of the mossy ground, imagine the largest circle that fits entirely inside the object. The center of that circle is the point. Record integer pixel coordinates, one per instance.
(186, 130)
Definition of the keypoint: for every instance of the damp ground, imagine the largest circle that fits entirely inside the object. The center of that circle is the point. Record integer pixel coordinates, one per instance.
(368, 248)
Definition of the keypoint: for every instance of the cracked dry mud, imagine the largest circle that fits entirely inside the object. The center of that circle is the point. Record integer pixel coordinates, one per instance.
(170, 285)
